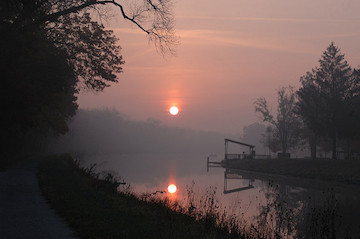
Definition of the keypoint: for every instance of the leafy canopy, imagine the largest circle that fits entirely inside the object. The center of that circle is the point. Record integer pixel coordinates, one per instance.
(51, 49)
(283, 130)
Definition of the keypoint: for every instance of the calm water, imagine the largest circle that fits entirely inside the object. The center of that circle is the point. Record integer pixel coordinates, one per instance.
(313, 207)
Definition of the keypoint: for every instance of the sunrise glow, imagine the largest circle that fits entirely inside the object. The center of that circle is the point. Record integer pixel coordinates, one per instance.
(174, 110)
(172, 188)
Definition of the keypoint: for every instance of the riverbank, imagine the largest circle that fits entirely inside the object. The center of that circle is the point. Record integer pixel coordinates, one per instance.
(342, 171)
(95, 209)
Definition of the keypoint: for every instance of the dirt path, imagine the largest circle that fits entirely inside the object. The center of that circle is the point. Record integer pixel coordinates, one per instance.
(24, 213)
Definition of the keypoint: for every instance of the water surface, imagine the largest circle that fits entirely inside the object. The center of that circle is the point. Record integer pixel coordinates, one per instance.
(307, 207)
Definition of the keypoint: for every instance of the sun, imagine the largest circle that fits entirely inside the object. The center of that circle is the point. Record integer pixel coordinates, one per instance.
(174, 110)
(172, 188)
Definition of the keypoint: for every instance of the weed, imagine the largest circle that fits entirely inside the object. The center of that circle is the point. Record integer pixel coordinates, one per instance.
(98, 205)
(320, 217)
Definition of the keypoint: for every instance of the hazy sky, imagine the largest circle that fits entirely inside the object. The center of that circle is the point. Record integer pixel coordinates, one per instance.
(231, 53)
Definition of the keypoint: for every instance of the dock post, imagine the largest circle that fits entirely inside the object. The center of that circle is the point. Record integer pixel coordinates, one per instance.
(207, 164)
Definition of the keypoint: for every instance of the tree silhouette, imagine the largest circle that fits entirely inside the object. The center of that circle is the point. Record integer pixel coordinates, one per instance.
(327, 95)
(51, 49)
(154, 17)
(284, 127)
(38, 88)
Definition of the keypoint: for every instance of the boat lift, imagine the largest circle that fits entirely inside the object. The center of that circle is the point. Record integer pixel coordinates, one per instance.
(232, 174)
(228, 156)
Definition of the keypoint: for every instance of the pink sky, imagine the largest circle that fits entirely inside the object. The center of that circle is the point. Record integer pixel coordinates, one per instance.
(231, 53)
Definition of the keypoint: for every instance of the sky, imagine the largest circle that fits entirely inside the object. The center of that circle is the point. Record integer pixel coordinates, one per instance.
(230, 53)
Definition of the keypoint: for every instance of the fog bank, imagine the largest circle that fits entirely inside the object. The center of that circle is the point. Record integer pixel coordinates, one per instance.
(142, 150)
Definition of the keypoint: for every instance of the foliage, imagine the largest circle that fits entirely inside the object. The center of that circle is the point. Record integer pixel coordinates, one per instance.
(50, 49)
(320, 219)
(38, 87)
(277, 218)
(283, 130)
(270, 141)
(91, 50)
(290, 214)
(40, 91)
(328, 98)
(154, 17)
(96, 212)
(254, 134)
(89, 202)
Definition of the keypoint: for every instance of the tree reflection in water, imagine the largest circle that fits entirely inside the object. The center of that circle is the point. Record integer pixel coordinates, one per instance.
(292, 213)
(300, 212)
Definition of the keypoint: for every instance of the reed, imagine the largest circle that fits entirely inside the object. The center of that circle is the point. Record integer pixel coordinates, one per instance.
(97, 205)
(94, 208)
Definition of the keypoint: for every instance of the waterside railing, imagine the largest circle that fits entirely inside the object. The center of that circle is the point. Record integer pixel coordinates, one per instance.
(246, 156)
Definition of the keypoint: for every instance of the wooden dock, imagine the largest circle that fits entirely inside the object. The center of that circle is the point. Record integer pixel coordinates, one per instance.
(210, 164)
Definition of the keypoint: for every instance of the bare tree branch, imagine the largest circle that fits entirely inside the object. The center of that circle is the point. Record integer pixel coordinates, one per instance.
(156, 14)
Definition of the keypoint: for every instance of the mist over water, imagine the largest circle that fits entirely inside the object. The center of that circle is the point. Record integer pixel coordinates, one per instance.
(138, 150)
(150, 155)
(108, 131)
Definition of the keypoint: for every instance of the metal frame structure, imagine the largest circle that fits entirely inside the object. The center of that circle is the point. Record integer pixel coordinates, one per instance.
(233, 175)
(238, 156)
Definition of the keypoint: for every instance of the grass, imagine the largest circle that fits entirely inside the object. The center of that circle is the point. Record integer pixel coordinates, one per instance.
(343, 171)
(92, 205)
(94, 208)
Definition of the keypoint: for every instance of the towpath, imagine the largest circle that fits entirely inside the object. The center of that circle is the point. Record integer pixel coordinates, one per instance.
(24, 213)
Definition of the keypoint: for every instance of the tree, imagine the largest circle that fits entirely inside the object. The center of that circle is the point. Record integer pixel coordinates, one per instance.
(253, 134)
(38, 88)
(154, 17)
(310, 107)
(327, 97)
(91, 49)
(270, 140)
(51, 49)
(283, 130)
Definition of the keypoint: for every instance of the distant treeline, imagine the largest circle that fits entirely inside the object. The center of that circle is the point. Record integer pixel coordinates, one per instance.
(108, 131)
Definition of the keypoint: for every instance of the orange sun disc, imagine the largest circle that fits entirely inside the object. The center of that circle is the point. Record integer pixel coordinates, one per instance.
(174, 110)
(172, 188)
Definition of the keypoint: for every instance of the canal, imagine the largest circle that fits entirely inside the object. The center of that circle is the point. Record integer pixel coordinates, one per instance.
(276, 205)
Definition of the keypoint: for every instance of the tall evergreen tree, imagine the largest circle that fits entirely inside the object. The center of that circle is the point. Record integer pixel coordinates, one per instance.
(326, 94)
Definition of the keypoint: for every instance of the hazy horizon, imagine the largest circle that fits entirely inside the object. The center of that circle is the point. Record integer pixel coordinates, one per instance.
(220, 139)
(229, 54)
(109, 131)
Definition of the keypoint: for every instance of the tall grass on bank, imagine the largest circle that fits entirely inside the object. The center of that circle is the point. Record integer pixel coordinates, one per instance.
(322, 219)
(206, 209)
(94, 207)
(278, 216)
(286, 215)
